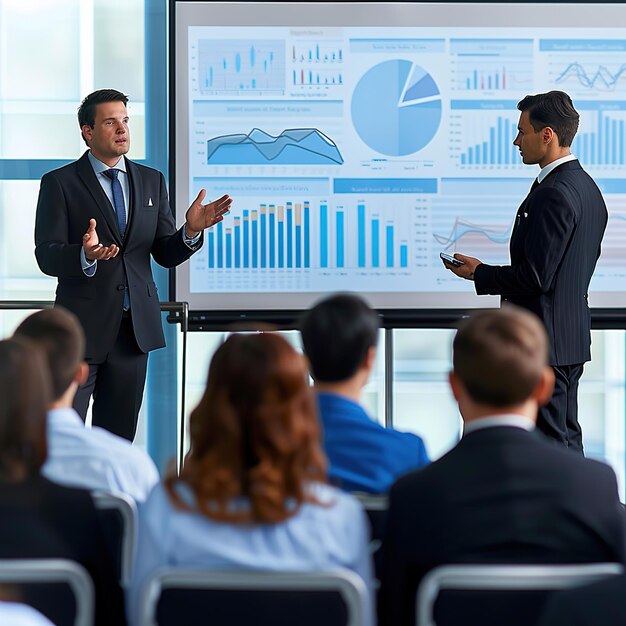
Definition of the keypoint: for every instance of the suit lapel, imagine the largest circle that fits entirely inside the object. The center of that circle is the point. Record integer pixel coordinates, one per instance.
(136, 196)
(88, 177)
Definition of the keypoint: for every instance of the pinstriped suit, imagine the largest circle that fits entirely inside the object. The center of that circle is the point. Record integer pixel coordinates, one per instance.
(554, 249)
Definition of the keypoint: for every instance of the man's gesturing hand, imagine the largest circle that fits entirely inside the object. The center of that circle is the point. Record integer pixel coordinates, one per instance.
(94, 250)
(200, 216)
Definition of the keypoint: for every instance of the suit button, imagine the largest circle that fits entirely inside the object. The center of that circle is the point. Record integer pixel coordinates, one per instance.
(120, 287)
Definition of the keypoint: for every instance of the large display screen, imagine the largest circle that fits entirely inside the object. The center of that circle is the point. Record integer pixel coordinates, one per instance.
(359, 141)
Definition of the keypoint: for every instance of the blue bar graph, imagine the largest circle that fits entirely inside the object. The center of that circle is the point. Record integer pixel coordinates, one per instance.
(298, 235)
(340, 238)
(289, 234)
(281, 237)
(498, 149)
(246, 239)
(263, 235)
(404, 255)
(220, 247)
(389, 246)
(211, 252)
(307, 235)
(375, 242)
(272, 235)
(229, 248)
(361, 235)
(237, 242)
(604, 145)
(323, 235)
(255, 238)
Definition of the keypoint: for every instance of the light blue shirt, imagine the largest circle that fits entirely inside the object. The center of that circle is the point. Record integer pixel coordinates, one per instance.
(18, 614)
(316, 538)
(95, 459)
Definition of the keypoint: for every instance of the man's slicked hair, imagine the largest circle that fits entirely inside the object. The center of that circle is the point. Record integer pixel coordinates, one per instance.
(337, 334)
(500, 355)
(60, 337)
(87, 108)
(553, 109)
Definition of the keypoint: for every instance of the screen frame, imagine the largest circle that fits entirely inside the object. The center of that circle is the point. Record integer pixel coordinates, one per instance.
(443, 317)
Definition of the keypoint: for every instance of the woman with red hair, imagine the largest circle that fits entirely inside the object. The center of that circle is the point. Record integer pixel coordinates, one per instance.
(253, 492)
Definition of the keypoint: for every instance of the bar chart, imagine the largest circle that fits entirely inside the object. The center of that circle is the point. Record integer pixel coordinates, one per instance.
(302, 235)
(605, 144)
(497, 147)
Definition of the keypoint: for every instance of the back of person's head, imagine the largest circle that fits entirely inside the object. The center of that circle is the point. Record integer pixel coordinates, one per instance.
(254, 434)
(555, 110)
(87, 108)
(500, 356)
(337, 334)
(60, 336)
(25, 393)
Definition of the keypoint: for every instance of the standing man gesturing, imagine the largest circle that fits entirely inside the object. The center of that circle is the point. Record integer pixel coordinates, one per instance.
(554, 248)
(99, 220)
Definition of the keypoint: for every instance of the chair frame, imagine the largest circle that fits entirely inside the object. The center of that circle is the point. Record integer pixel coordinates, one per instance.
(127, 508)
(347, 583)
(505, 578)
(18, 571)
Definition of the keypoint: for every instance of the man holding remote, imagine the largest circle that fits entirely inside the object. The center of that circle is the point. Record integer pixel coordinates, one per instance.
(554, 247)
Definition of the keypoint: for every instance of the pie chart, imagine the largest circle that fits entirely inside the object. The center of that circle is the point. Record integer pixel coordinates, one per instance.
(396, 108)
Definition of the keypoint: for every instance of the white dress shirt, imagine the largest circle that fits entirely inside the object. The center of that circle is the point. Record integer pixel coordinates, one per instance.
(509, 419)
(95, 459)
(548, 168)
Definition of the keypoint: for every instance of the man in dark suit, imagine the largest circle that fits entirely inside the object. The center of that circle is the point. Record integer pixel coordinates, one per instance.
(554, 248)
(503, 494)
(98, 221)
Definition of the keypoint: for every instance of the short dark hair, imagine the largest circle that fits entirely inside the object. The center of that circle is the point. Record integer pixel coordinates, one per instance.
(87, 108)
(553, 109)
(336, 335)
(499, 355)
(25, 393)
(61, 338)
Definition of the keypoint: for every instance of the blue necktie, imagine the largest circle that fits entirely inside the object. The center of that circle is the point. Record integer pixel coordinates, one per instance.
(118, 199)
(120, 211)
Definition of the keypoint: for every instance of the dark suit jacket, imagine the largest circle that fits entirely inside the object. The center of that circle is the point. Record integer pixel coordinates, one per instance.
(599, 604)
(39, 519)
(68, 198)
(554, 248)
(501, 495)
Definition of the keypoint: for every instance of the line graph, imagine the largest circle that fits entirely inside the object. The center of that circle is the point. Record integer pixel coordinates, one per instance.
(602, 78)
(462, 227)
(294, 146)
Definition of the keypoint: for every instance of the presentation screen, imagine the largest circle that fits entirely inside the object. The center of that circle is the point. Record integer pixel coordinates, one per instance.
(358, 141)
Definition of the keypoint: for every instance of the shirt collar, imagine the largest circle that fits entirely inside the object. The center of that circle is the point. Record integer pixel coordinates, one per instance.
(510, 419)
(548, 168)
(65, 416)
(99, 166)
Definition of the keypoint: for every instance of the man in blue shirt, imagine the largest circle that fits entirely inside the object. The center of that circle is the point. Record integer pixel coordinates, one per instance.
(339, 335)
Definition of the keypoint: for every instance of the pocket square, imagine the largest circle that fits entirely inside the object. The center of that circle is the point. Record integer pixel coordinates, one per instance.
(150, 202)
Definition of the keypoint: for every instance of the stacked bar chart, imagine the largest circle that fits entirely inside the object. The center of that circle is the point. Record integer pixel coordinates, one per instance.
(299, 235)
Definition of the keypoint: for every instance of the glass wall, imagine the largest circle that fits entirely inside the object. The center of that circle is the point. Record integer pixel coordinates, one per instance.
(422, 401)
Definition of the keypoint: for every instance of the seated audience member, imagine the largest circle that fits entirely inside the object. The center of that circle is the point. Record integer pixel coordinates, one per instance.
(39, 519)
(339, 335)
(252, 492)
(599, 604)
(503, 494)
(92, 458)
